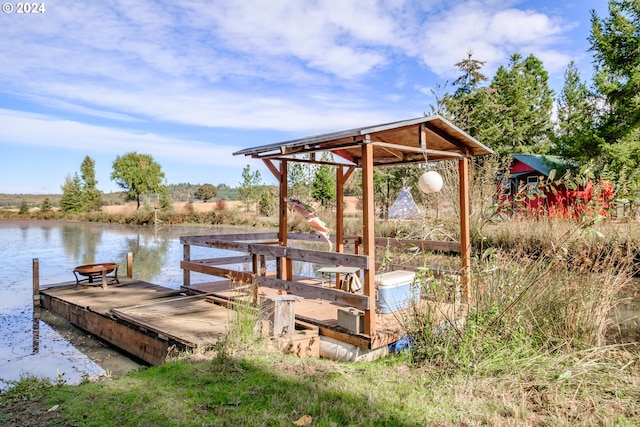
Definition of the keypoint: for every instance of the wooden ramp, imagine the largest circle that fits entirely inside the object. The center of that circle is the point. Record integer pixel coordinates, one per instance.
(147, 321)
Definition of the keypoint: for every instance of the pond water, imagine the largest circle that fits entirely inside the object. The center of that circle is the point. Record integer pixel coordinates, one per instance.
(36, 342)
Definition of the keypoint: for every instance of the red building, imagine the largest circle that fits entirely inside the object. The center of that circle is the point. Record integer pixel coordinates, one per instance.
(530, 189)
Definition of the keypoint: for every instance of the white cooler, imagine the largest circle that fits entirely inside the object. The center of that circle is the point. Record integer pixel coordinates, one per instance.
(396, 290)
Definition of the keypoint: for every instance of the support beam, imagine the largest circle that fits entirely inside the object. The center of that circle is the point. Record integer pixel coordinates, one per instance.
(284, 267)
(368, 235)
(186, 274)
(269, 164)
(465, 234)
(339, 215)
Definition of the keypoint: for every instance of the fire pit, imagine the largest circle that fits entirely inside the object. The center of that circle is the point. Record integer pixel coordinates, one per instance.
(91, 271)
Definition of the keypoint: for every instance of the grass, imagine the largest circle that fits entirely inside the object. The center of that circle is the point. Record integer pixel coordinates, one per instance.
(255, 387)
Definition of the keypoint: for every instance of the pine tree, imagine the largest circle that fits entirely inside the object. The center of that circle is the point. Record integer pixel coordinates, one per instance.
(472, 107)
(525, 101)
(72, 199)
(323, 187)
(575, 136)
(92, 196)
(614, 43)
(248, 190)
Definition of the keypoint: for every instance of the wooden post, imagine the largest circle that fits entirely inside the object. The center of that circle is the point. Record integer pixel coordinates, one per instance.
(339, 215)
(280, 310)
(368, 236)
(104, 277)
(186, 274)
(254, 264)
(130, 265)
(36, 282)
(285, 267)
(465, 234)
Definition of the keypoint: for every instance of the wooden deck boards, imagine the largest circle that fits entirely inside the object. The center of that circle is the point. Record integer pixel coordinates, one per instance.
(146, 320)
(320, 313)
(151, 321)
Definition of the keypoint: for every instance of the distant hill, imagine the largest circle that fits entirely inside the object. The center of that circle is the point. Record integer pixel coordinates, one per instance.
(177, 192)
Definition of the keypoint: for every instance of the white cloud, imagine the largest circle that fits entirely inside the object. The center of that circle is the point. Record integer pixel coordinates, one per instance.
(492, 32)
(42, 130)
(258, 64)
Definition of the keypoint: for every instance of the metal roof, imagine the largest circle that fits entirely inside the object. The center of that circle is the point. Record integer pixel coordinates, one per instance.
(404, 141)
(542, 164)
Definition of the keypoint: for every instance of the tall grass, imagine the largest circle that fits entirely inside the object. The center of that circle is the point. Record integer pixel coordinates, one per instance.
(524, 304)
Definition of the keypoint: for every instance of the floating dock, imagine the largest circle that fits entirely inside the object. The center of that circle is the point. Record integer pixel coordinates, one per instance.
(150, 322)
(153, 322)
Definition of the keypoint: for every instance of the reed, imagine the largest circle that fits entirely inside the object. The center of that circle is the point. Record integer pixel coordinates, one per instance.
(526, 303)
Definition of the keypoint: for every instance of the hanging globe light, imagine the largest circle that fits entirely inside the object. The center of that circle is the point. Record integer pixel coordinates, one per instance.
(430, 182)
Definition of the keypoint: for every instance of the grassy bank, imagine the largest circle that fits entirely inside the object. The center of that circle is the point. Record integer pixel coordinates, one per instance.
(253, 388)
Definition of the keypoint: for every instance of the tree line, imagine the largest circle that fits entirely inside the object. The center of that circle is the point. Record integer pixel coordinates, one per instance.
(597, 123)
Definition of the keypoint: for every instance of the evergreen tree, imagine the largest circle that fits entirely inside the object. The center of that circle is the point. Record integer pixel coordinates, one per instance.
(323, 187)
(471, 77)
(473, 107)
(248, 190)
(575, 136)
(46, 205)
(166, 204)
(615, 42)
(24, 208)
(72, 199)
(268, 204)
(525, 101)
(299, 176)
(92, 196)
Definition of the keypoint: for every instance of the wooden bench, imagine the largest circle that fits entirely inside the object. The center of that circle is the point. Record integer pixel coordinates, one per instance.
(91, 271)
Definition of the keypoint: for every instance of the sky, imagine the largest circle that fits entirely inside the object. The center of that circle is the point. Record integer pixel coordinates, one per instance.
(191, 82)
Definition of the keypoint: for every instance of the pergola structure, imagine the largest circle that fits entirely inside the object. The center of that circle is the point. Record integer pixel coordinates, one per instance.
(403, 142)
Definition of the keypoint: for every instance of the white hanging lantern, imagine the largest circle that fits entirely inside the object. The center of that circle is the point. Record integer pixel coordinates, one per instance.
(430, 182)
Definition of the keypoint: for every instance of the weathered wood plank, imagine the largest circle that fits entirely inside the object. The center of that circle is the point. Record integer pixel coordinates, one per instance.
(201, 239)
(240, 259)
(234, 275)
(425, 245)
(152, 350)
(360, 302)
(227, 244)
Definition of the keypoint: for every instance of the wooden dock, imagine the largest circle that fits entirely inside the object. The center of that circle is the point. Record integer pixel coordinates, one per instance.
(148, 321)
(152, 322)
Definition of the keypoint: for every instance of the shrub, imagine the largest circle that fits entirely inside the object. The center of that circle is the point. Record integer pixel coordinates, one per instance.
(221, 205)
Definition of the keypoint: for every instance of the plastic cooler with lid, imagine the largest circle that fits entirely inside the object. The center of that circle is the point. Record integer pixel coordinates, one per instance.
(396, 290)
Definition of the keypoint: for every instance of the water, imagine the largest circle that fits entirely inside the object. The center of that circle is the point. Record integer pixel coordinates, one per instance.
(36, 342)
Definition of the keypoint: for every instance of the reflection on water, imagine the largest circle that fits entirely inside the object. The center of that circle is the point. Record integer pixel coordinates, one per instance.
(34, 341)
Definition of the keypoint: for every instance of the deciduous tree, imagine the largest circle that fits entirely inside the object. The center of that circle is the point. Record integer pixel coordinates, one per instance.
(137, 174)
(206, 192)
(248, 190)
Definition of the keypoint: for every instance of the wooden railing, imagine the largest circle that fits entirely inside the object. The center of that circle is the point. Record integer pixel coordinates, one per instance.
(258, 248)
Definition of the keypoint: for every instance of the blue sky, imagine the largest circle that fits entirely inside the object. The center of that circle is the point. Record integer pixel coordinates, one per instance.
(190, 81)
